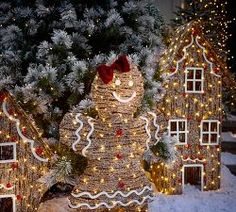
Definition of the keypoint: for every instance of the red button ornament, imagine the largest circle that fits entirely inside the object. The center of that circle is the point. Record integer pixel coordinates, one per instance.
(14, 166)
(2, 97)
(172, 69)
(19, 197)
(118, 156)
(13, 139)
(121, 185)
(8, 185)
(39, 150)
(119, 133)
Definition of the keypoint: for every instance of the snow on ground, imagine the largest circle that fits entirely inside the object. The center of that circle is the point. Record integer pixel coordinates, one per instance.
(230, 117)
(228, 158)
(193, 200)
(55, 205)
(228, 137)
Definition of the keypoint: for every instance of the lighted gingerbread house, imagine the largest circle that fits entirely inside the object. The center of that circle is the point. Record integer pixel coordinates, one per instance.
(23, 159)
(191, 110)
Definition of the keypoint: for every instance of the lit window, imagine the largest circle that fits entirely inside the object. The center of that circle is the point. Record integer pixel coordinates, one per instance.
(194, 80)
(7, 152)
(209, 132)
(178, 128)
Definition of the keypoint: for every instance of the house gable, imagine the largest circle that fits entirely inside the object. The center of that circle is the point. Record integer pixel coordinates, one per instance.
(192, 106)
(24, 157)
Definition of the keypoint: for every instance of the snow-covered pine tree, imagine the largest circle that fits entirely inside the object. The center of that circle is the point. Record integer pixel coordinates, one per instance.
(49, 50)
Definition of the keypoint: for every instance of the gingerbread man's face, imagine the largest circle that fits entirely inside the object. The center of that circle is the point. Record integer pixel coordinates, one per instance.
(121, 96)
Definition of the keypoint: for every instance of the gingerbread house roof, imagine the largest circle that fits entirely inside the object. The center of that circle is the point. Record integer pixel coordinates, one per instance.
(24, 158)
(7, 101)
(182, 39)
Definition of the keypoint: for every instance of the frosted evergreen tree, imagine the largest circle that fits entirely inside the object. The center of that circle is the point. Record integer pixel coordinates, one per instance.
(50, 50)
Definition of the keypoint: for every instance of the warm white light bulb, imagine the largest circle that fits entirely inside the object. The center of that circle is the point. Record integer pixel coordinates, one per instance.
(131, 83)
(117, 82)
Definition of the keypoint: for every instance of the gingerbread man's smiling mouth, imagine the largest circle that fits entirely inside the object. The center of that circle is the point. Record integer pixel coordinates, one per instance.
(123, 99)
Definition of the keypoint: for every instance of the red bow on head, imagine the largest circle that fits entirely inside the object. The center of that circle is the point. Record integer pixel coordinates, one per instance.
(106, 72)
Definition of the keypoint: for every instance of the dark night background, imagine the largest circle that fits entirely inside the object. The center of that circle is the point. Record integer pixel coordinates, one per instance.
(232, 29)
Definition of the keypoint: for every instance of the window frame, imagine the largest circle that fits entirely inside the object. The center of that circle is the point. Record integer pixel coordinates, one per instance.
(14, 152)
(193, 165)
(13, 196)
(194, 80)
(177, 132)
(209, 132)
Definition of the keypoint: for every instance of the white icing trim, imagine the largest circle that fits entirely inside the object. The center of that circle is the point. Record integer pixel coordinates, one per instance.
(204, 55)
(110, 206)
(13, 152)
(179, 61)
(4, 187)
(25, 139)
(147, 131)
(194, 80)
(77, 131)
(123, 100)
(88, 136)
(193, 160)
(156, 125)
(209, 132)
(177, 132)
(113, 195)
(13, 196)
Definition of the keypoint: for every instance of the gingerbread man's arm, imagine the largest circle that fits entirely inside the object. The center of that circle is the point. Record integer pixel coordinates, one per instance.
(152, 128)
(75, 132)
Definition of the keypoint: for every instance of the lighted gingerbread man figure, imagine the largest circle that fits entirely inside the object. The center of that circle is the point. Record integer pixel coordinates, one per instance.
(113, 143)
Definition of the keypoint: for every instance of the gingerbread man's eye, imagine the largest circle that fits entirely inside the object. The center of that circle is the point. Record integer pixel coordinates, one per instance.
(117, 82)
(131, 83)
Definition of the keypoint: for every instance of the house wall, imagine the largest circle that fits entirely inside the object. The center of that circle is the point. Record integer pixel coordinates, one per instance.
(194, 107)
(19, 178)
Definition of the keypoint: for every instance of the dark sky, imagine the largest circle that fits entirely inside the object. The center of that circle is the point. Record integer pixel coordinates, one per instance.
(232, 29)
